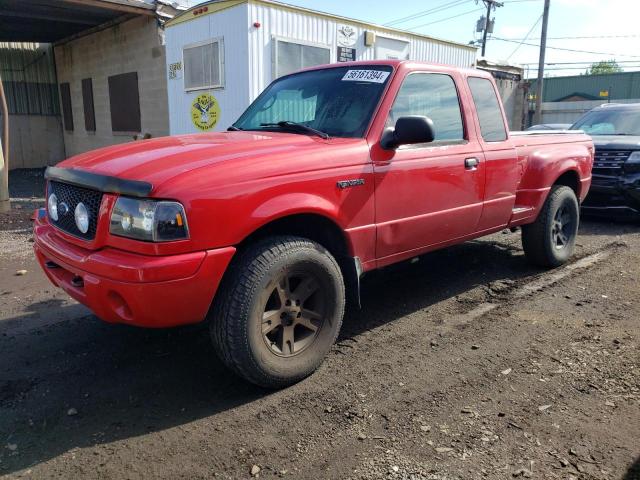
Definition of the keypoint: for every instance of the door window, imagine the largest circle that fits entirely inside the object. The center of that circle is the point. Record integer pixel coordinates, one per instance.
(431, 95)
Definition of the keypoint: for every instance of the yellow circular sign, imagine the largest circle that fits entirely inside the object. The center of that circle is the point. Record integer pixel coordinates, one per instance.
(205, 112)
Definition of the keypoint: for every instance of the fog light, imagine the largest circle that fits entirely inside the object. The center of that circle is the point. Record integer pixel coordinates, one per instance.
(82, 218)
(52, 207)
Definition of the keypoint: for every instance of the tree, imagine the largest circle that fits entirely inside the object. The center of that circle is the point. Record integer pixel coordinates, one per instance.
(605, 66)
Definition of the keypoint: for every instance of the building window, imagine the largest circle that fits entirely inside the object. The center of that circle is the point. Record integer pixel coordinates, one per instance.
(204, 65)
(431, 95)
(293, 56)
(488, 108)
(124, 100)
(67, 113)
(87, 101)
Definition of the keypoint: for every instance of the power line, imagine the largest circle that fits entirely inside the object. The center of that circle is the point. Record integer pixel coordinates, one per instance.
(583, 37)
(579, 63)
(567, 49)
(424, 13)
(526, 37)
(586, 67)
(448, 18)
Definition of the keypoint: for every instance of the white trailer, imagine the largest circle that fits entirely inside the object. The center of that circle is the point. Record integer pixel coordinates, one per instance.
(222, 54)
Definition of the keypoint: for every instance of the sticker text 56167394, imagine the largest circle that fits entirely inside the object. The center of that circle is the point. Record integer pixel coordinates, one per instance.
(373, 76)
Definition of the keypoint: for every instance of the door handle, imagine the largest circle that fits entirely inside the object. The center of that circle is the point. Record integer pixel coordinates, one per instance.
(471, 163)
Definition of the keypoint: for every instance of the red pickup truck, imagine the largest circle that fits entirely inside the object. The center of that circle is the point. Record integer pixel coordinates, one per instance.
(264, 230)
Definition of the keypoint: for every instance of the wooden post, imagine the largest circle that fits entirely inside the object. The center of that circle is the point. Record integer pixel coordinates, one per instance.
(5, 204)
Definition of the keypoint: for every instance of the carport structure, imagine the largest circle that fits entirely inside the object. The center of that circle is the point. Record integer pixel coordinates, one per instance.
(73, 68)
(49, 21)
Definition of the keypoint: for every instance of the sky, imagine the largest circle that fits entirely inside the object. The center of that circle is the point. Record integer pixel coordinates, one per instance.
(613, 22)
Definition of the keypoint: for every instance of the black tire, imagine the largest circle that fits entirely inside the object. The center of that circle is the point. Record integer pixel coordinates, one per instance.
(551, 239)
(263, 317)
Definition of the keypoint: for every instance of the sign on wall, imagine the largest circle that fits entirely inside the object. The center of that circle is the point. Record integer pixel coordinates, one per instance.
(175, 70)
(347, 38)
(205, 112)
(346, 54)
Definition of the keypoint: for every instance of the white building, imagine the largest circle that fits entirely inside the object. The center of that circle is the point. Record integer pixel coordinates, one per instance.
(222, 54)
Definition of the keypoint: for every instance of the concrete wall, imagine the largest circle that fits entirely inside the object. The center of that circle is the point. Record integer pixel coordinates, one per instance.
(132, 46)
(35, 141)
(513, 99)
(569, 112)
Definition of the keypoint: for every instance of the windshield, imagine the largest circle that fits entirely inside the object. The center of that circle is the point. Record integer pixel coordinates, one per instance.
(337, 101)
(605, 121)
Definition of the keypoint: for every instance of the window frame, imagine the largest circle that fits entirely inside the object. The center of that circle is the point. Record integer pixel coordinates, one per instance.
(435, 143)
(477, 113)
(221, 64)
(274, 54)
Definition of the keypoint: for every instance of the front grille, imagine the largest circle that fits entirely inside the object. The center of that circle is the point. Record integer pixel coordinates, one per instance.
(610, 162)
(70, 195)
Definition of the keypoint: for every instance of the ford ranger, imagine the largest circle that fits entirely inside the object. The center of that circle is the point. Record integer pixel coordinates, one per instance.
(265, 230)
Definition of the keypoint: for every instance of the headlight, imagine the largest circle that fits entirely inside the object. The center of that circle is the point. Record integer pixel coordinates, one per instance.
(632, 165)
(52, 207)
(149, 220)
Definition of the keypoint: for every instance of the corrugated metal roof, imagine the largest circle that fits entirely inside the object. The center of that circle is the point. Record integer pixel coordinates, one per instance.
(188, 15)
(52, 20)
(29, 79)
(625, 85)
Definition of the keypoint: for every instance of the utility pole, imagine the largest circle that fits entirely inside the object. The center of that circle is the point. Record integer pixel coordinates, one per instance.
(5, 204)
(490, 4)
(537, 119)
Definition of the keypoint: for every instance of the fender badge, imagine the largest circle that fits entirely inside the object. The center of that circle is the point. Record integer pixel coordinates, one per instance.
(342, 184)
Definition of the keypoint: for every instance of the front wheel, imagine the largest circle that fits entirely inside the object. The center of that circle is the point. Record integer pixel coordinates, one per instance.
(551, 239)
(279, 311)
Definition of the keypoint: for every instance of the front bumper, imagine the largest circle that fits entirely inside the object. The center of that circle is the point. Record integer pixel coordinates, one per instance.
(614, 196)
(122, 287)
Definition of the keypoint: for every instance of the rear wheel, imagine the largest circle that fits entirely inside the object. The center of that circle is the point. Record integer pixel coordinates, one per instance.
(550, 240)
(279, 311)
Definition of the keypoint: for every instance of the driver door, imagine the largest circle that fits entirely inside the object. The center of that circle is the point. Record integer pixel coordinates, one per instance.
(428, 194)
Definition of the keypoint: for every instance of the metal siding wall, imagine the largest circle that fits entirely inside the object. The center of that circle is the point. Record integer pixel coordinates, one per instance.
(249, 52)
(231, 25)
(623, 86)
(305, 27)
(29, 78)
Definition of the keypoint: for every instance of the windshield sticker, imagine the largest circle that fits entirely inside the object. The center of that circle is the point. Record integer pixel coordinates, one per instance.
(372, 76)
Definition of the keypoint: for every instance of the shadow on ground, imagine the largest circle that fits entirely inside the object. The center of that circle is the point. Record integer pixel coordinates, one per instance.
(126, 382)
(634, 471)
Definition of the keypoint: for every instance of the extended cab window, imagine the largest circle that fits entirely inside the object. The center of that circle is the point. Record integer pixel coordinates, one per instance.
(488, 108)
(431, 95)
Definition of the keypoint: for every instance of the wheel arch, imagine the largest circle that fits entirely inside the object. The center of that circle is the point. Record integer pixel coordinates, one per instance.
(570, 178)
(321, 229)
(312, 225)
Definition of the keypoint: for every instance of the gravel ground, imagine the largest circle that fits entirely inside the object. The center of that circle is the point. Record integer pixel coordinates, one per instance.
(467, 364)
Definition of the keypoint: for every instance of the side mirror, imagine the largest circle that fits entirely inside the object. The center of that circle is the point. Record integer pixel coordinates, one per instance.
(409, 130)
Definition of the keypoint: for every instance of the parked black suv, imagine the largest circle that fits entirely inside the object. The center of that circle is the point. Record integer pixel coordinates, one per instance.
(615, 129)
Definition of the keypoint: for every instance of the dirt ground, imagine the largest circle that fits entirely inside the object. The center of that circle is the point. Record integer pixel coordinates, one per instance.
(466, 364)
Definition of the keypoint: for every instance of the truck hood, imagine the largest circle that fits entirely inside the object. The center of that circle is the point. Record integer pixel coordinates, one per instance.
(616, 142)
(159, 160)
